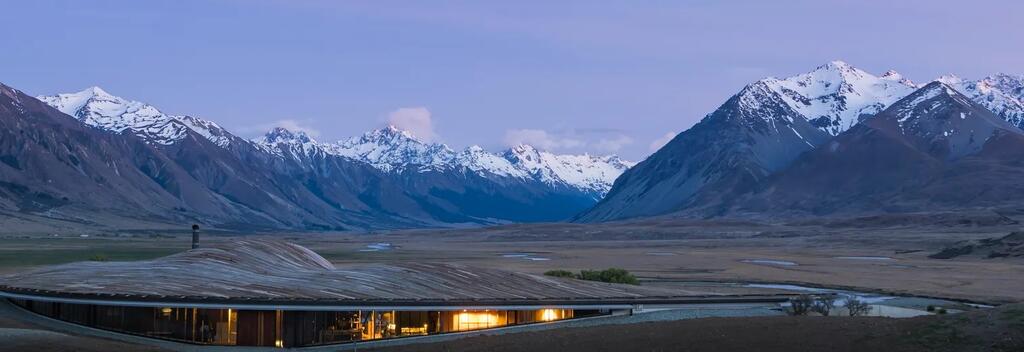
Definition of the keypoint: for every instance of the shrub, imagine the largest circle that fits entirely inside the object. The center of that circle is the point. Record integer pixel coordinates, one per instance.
(942, 311)
(801, 305)
(824, 304)
(857, 307)
(930, 308)
(610, 275)
(98, 258)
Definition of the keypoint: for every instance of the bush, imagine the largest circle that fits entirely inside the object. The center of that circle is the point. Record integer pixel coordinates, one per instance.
(857, 307)
(942, 311)
(824, 304)
(560, 273)
(610, 275)
(930, 308)
(98, 258)
(801, 305)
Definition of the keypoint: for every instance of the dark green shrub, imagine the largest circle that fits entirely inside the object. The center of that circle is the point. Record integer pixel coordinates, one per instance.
(612, 275)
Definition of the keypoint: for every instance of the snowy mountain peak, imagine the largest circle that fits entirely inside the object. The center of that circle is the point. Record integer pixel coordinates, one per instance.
(95, 91)
(284, 135)
(1002, 94)
(836, 95)
(945, 121)
(892, 75)
(283, 142)
(395, 132)
(586, 172)
(393, 149)
(836, 65)
(95, 107)
(950, 79)
(522, 153)
(930, 91)
(935, 99)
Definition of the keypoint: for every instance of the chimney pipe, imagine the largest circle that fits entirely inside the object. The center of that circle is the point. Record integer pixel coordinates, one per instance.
(195, 236)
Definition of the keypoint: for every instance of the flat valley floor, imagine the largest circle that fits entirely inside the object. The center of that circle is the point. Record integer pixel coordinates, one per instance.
(882, 254)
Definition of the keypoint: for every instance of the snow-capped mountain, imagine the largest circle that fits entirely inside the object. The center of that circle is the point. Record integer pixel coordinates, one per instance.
(395, 151)
(95, 107)
(935, 149)
(290, 144)
(836, 96)
(391, 149)
(384, 178)
(762, 129)
(1002, 94)
(946, 122)
(585, 172)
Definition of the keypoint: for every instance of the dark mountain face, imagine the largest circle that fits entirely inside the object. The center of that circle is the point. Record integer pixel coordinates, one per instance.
(748, 138)
(54, 165)
(418, 195)
(463, 196)
(127, 162)
(935, 149)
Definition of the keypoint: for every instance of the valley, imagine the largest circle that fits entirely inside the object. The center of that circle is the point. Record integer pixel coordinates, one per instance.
(865, 254)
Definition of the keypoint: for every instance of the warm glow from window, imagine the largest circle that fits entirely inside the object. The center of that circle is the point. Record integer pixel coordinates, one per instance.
(475, 320)
(414, 330)
(548, 315)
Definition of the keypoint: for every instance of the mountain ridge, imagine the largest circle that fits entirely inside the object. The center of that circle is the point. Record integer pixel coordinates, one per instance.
(762, 129)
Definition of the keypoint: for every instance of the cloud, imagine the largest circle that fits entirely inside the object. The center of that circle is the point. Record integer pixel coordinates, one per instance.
(541, 139)
(416, 120)
(614, 144)
(661, 141)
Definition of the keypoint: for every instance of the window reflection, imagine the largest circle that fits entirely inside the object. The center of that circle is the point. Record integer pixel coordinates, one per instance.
(287, 328)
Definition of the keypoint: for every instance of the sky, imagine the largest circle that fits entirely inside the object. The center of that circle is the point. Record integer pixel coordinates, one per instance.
(602, 77)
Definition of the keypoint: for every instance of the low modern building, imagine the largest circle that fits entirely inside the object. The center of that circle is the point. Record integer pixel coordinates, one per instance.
(268, 293)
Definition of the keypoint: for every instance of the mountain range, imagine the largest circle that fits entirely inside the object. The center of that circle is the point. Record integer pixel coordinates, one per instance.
(180, 168)
(834, 141)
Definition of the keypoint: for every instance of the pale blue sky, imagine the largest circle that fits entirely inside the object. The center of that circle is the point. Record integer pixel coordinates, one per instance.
(573, 76)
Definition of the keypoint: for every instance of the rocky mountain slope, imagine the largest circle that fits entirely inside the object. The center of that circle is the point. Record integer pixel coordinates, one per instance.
(1011, 245)
(755, 133)
(199, 172)
(471, 186)
(760, 131)
(58, 167)
(935, 149)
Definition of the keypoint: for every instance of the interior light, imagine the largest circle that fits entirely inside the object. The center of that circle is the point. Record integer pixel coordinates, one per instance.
(548, 315)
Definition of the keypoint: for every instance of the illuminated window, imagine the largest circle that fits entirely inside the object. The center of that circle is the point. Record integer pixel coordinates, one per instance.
(475, 320)
(548, 315)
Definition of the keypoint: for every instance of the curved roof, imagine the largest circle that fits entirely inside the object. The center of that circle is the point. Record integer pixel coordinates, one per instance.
(276, 271)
